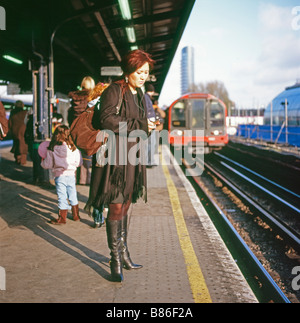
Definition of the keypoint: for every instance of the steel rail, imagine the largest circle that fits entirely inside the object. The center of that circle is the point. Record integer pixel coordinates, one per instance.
(257, 174)
(290, 233)
(261, 268)
(261, 187)
(268, 280)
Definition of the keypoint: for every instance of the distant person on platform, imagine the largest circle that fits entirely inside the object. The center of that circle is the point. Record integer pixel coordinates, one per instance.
(151, 143)
(79, 101)
(160, 116)
(57, 119)
(17, 127)
(3, 122)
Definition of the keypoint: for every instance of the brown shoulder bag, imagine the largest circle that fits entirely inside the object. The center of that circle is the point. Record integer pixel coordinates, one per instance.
(84, 134)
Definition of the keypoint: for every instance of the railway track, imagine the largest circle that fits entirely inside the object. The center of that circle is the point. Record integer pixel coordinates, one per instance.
(285, 219)
(261, 217)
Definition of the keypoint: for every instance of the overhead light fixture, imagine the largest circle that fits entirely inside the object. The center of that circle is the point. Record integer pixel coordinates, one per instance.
(12, 59)
(134, 47)
(126, 15)
(130, 34)
(125, 9)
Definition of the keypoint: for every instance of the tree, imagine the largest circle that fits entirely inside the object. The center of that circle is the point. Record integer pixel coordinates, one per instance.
(215, 88)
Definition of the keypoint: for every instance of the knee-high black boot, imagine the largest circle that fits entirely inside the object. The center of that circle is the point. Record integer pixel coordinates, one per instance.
(113, 230)
(127, 262)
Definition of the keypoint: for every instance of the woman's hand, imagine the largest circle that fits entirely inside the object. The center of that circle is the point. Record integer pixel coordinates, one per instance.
(151, 125)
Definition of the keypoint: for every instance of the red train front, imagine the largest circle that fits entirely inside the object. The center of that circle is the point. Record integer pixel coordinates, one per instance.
(194, 114)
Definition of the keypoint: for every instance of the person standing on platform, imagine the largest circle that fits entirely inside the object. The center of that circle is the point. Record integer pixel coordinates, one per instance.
(63, 158)
(79, 101)
(151, 142)
(57, 119)
(123, 182)
(17, 127)
(160, 115)
(97, 214)
(3, 122)
(149, 88)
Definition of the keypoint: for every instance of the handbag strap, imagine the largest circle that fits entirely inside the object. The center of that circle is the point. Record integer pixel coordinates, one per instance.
(118, 107)
(1, 130)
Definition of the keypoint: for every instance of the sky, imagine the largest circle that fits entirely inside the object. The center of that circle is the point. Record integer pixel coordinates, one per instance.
(252, 46)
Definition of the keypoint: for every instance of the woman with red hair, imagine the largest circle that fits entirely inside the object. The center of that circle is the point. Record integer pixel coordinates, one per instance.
(123, 180)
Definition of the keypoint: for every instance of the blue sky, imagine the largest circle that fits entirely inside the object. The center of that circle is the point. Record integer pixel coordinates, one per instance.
(252, 46)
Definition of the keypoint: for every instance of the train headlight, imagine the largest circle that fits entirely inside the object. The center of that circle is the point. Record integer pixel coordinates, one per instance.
(216, 132)
(177, 132)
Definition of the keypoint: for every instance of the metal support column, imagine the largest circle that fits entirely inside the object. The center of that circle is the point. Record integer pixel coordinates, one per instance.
(41, 121)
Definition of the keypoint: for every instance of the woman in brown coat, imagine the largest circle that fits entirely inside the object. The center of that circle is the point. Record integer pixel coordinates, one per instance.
(17, 129)
(123, 180)
(3, 122)
(79, 101)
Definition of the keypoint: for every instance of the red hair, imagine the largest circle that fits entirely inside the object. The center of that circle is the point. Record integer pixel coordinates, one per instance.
(132, 62)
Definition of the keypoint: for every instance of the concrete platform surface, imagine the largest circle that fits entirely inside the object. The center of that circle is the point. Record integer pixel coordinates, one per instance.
(184, 258)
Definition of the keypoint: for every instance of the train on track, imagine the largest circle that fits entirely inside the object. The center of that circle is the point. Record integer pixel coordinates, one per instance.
(197, 119)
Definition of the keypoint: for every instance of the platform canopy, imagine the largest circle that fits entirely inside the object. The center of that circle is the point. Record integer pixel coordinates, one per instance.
(87, 36)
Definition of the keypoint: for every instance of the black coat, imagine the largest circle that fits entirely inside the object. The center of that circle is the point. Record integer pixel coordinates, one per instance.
(127, 178)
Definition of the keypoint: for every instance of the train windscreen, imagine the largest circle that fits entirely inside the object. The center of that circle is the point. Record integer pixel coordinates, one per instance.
(216, 114)
(178, 115)
(198, 113)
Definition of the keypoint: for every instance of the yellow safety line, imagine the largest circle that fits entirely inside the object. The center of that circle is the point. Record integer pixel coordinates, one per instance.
(197, 281)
